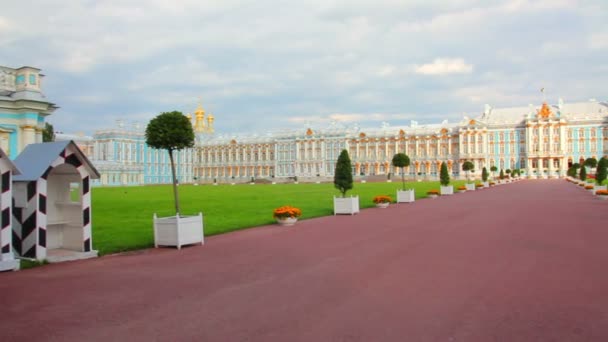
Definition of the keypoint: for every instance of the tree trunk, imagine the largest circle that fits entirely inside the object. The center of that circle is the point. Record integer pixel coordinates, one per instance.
(175, 193)
(403, 178)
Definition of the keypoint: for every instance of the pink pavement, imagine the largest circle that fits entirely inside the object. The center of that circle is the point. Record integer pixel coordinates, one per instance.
(519, 262)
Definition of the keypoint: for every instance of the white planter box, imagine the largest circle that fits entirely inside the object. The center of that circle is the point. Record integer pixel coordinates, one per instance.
(346, 205)
(486, 184)
(178, 231)
(406, 196)
(446, 190)
(599, 187)
(470, 186)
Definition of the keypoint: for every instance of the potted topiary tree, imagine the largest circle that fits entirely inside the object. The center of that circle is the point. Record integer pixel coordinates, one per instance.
(343, 181)
(591, 163)
(484, 177)
(583, 174)
(501, 176)
(467, 167)
(493, 169)
(600, 174)
(401, 160)
(508, 176)
(444, 179)
(172, 131)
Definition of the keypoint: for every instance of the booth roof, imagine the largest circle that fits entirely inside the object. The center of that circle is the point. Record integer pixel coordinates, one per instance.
(35, 159)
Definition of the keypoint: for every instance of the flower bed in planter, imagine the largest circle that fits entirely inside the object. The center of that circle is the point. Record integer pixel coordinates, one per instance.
(478, 185)
(287, 215)
(462, 189)
(602, 194)
(432, 193)
(382, 201)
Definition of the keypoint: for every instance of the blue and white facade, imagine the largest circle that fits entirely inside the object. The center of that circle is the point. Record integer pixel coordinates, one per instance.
(542, 141)
(23, 108)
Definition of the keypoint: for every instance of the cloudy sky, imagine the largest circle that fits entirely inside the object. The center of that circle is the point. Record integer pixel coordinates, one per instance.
(266, 64)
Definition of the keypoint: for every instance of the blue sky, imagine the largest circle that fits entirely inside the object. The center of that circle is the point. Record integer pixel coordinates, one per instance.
(263, 65)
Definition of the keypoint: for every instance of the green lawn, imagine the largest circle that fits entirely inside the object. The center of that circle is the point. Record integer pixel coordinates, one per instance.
(122, 216)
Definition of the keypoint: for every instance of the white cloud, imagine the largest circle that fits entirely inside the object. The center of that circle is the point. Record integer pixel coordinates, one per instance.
(599, 41)
(444, 66)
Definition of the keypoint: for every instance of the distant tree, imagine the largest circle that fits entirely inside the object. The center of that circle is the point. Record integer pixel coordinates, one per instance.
(484, 174)
(467, 166)
(401, 160)
(444, 176)
(583, 173)
(48, 134)
(170, 131)
(502, 174)
(601, 172)
(343, 176)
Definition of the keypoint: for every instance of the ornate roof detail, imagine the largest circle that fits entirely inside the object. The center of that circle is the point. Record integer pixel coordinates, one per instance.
(309, 132)
(544, 112)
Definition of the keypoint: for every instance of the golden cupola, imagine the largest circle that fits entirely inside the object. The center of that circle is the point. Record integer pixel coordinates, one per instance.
(199, 124)
(210, 120)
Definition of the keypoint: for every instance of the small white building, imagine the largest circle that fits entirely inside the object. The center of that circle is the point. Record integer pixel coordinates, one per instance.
(7, 170)
(52, 202)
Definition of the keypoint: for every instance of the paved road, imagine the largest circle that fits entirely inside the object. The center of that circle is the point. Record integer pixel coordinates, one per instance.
(520, 262)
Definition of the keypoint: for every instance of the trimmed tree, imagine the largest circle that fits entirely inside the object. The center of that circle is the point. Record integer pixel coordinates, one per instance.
(502, 174)
(484, 174)
(493, 169)
(583, 173)
(591, 163)
(571, 172)
(48, 133)
(601, 172)
(466, 167)
(444, 176)
(401, 160)
(170, 131)
(343, 176)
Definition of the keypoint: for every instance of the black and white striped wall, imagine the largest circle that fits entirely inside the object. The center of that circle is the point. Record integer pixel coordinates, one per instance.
(7, 259)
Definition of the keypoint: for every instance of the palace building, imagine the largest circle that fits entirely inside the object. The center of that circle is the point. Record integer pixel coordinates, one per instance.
(542, 141)
(23, 108)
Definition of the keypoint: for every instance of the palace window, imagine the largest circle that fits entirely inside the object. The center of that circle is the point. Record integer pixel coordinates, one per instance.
(581, 133)
(512, 148)
(556, 131)
(502, 136)
(593, 133)
(522, 163)
(491, 137)
(546, 131)
(581, 145)
(593, 146)
(512, 136)
(555, 147)
(502, 148)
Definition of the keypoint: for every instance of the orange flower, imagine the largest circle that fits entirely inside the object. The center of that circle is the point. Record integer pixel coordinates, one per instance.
(432, 192)
(462, 187)
(286, 211)
(602, 192)
(588, 187)
(382, 199)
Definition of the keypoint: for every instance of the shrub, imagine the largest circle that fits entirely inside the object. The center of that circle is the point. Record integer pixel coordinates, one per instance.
(590, 162)
(602, 171)
(343, 176)
(484, 174)
(502, 174)
(444, 176)
(583, 173)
